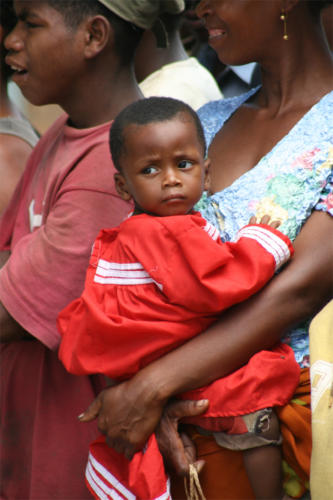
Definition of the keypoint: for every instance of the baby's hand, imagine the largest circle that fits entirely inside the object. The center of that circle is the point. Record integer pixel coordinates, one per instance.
(266, 220)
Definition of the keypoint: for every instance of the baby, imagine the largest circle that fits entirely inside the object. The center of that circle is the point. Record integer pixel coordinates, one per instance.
(162, 277)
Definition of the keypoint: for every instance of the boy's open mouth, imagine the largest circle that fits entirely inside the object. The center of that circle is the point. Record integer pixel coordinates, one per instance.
(18, 70)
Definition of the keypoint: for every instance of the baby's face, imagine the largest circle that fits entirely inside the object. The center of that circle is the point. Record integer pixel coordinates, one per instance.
(163, 166)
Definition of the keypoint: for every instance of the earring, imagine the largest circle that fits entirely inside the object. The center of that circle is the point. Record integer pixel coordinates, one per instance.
(283, 18)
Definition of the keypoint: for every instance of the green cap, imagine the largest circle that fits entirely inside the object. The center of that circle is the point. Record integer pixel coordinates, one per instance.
(146, 14)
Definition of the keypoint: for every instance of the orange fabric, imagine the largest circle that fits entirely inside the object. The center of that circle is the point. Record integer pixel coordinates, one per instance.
(295, 423)
(224, 477)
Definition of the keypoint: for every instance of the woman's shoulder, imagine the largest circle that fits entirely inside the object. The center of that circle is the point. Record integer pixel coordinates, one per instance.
(213, 114)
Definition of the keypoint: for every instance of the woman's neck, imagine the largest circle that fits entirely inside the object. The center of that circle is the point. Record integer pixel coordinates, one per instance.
(301, 75)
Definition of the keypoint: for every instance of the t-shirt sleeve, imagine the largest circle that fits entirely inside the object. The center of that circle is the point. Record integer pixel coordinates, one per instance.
(194, 269)
(47, 267)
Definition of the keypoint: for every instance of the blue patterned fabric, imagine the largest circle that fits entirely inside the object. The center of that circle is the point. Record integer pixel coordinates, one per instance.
(288, 183)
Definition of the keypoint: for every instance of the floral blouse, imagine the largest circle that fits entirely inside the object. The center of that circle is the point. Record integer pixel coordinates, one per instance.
(288, 183)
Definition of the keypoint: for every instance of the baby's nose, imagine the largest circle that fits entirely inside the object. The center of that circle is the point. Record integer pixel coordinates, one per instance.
(171, 177)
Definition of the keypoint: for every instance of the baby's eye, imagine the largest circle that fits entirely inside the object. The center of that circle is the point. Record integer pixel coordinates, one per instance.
(185, 164)
(149, 170)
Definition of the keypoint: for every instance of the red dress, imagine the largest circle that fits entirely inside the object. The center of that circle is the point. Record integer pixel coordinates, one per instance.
(151, 284)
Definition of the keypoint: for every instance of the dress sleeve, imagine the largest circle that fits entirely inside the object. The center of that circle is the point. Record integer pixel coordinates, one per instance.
(325, 203)
(194, 269)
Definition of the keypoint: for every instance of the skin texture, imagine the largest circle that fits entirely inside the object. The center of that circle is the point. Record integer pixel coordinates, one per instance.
(163, 167)
(128, 413)
(34, 64)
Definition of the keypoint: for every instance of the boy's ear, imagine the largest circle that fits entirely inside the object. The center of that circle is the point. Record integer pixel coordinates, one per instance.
(121, 187)
(207, 175)
(98, 33)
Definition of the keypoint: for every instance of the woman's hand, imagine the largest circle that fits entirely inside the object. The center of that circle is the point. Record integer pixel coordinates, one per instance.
(177, 449)
(127, 414)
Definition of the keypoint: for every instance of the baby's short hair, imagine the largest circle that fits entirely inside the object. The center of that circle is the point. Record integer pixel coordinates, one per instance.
(145, 111)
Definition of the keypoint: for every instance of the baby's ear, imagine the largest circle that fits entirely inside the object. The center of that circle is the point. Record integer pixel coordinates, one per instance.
(121, 187)
(207, 175)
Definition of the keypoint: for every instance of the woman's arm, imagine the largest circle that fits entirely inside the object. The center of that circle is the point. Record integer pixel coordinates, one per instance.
(129, 412)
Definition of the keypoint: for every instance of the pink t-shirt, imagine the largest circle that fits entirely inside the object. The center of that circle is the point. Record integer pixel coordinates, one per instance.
(64, 198)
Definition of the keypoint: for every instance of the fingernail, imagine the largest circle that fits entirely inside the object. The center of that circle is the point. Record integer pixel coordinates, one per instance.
(80, 416)
(202, 402)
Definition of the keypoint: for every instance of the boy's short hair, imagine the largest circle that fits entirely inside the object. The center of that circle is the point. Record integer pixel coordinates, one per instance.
(127, 36)
(145, 111)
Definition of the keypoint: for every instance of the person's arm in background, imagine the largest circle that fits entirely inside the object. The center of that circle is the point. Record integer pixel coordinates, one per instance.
(129, 413)
(10, 329)
(14, 154)
(4, 256)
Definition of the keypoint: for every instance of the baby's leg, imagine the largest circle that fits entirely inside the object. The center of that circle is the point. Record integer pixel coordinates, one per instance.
(264, 463)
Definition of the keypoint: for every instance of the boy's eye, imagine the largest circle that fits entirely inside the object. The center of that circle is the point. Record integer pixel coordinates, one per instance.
(185, 164)
(29, 24)
(149, 170)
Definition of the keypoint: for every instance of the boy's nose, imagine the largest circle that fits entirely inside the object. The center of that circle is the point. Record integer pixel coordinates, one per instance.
(13, 41)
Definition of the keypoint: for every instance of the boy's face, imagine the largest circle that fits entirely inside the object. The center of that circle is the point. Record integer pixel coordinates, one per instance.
(163, 166)
(44, 53)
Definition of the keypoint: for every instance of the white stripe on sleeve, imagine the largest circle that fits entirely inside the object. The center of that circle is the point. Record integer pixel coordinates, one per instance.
(270, 241)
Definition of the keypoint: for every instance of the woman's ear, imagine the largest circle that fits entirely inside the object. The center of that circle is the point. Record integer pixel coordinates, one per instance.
(121, 187)
(207, 175)
(98, 33)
